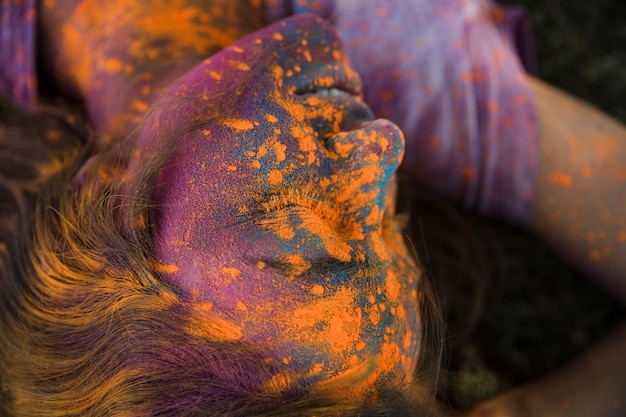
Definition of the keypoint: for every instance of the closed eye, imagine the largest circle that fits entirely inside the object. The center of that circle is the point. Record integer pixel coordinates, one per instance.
(299, 200)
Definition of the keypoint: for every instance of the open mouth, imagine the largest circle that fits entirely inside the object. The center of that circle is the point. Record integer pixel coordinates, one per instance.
(331, 86)
(328, 81)
(325, 92)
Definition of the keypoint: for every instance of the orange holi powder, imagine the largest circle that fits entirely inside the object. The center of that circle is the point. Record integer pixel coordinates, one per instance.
(233, 272)
(374, 315)
(340, 317)
(275, 177)
(317, 290)
(215, 75)
(392, 286)
(239, 124)
(298, 265)
(280, 151)
(241, 66)
(164, 268)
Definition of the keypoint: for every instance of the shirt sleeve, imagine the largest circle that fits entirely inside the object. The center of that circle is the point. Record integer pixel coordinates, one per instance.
(17, 52)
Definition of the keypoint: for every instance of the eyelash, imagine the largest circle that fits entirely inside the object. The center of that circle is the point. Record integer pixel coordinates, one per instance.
(294, 198)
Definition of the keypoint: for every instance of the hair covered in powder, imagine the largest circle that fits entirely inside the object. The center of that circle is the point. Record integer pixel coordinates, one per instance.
(89, 327)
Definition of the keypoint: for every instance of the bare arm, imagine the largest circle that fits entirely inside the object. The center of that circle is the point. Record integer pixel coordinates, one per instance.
(593, 385)
(580, 208)
(580, 203)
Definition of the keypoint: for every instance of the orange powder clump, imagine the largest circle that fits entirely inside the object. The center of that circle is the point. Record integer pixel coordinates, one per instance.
(215, 75)
(164, 268)
(233, 272)
(306, 142)
(280, 151)
(392, 286)
(280, 228)
(389, 357)
(407, 341)
(379, 246)
(203, 306)
(374, 217)
(374, 315)
(139, 105)
(262, 151)
(313, 101)
(275, 177)
(113, 65)
(239, 124)
(241, 66)
(317, 289)
(278, 73)
(333, 245)
(344, 149)
(340, 317)
(297, 264)
(317, 368)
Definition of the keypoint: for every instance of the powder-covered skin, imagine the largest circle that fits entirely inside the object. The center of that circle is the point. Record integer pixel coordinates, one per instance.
(447, 73)
(276, 208)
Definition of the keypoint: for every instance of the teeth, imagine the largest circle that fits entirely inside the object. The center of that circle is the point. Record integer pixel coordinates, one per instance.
(331, 92)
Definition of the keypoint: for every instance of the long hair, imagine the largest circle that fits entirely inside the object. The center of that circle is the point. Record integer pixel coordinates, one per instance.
(87, 325)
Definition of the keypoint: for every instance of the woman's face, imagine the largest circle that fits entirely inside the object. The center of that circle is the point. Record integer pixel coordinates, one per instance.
(275, 209)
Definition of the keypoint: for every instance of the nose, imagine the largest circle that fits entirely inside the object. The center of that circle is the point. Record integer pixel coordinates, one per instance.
(378, 145)
(364, 162)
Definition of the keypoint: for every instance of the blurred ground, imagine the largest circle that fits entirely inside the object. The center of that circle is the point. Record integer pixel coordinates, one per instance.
(538, 313)
(582, 48)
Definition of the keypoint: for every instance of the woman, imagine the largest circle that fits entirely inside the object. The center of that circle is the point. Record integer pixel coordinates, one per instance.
(278, 271)
(269, 266)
